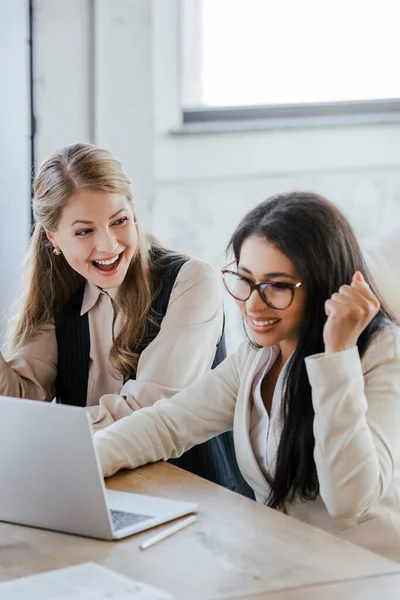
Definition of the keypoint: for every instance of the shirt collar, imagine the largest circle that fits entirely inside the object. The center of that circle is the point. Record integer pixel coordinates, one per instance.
(91, 295)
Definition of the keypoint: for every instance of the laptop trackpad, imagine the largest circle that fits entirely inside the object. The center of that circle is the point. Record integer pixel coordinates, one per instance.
(137, 512)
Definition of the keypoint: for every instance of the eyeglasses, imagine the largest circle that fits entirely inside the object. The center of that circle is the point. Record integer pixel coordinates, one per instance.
(276, 294)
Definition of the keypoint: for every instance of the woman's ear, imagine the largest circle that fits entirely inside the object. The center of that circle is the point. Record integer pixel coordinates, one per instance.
(52, 237)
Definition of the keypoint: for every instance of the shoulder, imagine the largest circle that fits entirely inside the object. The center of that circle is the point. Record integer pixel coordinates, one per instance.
(249, 357)
(197, 269)
(243, 362)
(247, 354)
(383, 347)
(168, 264)
(199, 276)
(195, 287)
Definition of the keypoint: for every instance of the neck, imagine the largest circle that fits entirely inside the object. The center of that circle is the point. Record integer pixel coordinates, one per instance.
(287, 347)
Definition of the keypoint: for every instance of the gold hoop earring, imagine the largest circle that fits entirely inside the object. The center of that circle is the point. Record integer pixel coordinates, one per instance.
(57, 251)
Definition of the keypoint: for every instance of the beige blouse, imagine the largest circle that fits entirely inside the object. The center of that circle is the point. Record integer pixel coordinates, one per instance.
(182, 351)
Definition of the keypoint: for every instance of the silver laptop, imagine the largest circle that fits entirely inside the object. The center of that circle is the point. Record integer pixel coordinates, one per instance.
(50, 476)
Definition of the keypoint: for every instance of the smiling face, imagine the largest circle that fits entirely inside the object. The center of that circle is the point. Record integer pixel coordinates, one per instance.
(260, 261)
(97, 236)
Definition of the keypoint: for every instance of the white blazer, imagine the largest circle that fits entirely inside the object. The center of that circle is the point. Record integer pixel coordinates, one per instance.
(356, 427)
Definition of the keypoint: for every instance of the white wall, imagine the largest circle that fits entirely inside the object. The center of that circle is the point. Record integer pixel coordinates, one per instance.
(93, 82)
(212, 179)
(63, 73)
(191, 189)
(14, 148)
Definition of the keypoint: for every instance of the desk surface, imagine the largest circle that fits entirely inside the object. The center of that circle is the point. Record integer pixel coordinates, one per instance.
(381, 587)
(237, 548)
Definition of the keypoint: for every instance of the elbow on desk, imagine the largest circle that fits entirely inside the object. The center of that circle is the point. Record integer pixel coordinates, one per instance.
(346, 511)
(349, 505)
(352, 495)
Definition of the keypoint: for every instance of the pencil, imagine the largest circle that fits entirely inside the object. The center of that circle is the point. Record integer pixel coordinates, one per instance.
(165, 533)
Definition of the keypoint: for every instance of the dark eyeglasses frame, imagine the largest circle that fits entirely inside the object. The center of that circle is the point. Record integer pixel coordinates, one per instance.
(258, 286)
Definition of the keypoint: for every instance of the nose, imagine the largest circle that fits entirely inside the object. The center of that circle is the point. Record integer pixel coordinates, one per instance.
(254, 304)
(106, 241)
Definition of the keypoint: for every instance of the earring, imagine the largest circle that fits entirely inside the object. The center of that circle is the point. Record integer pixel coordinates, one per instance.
(57, 251)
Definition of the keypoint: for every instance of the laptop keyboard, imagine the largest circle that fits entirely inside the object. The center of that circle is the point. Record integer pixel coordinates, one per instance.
(120, 518)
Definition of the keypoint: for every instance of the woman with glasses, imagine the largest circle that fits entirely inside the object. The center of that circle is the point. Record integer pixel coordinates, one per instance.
(313, 396)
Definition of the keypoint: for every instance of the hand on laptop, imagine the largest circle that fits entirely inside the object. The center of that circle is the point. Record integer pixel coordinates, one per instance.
(111, 408)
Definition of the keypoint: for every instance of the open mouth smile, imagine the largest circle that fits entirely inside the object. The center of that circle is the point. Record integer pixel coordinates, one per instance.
(108, 265)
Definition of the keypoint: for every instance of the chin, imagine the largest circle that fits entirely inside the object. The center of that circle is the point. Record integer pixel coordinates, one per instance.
(106, 283)
(270, 338)
(263, 340)
(111, 282)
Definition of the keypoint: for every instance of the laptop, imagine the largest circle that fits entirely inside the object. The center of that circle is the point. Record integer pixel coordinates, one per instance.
(50, 476)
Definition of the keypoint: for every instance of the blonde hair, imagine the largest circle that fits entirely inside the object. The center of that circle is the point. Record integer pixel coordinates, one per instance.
(50, 281)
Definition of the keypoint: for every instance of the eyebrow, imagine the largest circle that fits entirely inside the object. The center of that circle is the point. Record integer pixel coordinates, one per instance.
(268, 275)
(91, 222)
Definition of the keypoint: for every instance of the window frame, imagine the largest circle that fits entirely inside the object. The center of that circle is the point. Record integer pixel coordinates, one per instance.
(250, 117)
(290, 111)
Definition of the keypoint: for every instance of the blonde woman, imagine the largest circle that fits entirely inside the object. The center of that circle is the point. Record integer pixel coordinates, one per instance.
(109, 318)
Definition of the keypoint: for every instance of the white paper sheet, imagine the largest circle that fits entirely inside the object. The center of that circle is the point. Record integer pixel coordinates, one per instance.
(88, 581)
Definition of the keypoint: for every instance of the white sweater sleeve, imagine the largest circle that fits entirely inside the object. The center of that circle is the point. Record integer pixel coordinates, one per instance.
(357, 423)
(172, 426)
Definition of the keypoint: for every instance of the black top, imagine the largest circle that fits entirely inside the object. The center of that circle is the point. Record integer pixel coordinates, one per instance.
(73, 336)
(215, 459)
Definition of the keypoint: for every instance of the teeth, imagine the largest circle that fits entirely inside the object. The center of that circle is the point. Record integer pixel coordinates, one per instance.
(107, 262)
(264, 323)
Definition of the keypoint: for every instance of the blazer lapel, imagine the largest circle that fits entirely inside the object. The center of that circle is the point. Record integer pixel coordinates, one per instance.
(241, 428)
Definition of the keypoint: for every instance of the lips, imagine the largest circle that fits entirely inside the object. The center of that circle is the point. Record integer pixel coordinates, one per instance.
(107, 265)
(259, 323)
(263, 325)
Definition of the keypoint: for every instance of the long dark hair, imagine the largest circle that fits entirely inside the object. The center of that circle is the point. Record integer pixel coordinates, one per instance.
(319, 241)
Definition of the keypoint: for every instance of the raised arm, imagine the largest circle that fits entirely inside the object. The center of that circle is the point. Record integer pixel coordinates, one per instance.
(357, 423)
(31, 371)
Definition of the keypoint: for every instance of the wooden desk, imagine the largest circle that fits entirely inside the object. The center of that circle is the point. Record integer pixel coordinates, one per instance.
(382, 587)
(236, 549)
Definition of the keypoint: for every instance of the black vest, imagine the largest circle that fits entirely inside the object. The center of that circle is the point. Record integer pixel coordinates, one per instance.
(215, 459)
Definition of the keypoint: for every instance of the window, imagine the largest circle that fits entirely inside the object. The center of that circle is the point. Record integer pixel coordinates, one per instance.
(289, 57)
